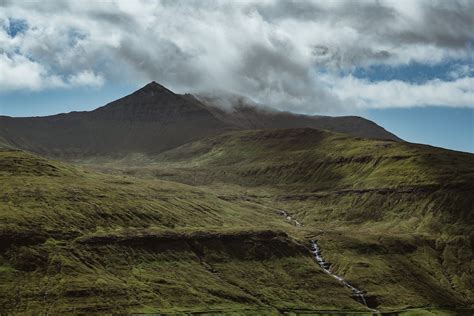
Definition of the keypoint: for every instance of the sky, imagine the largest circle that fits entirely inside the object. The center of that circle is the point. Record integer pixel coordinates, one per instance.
(407, 65)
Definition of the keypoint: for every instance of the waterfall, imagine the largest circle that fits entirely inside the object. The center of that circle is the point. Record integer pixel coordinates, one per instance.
(359, 294)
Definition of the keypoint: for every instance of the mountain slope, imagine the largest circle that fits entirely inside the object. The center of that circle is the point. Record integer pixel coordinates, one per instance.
(394, 218)
(314, 165)
(149, 120)
(245, 115)
(54, 197)
(76, 241)
(315, 160)
(152, 120)
(3, 144)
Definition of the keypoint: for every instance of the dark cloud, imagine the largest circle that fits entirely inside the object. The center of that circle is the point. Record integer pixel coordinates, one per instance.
(164, 61)
(286, 53)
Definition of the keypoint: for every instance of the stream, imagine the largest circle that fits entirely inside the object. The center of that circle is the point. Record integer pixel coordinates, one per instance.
(357, 293)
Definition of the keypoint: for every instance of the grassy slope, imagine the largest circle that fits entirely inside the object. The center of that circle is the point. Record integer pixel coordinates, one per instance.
(72, 240)
(397, 217)
(54, 197)
(337, 170)
(319, 160)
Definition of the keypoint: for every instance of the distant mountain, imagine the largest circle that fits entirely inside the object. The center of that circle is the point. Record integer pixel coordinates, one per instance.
(3, 143)
(149, 120)
(245, 115)
(154, 119)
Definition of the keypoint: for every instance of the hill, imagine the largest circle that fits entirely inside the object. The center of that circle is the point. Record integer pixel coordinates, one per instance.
(76, 241)
(151, 120)
(384, 210)
(310, 164)
(393, 219)
(175, 206)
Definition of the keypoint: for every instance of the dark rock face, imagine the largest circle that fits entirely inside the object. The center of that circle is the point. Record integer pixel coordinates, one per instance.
(153, 119)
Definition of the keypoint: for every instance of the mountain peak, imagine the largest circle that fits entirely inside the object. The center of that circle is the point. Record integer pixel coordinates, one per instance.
(152, 88)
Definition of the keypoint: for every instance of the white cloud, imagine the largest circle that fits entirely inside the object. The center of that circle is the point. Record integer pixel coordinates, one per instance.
(271, 51)
(86, 78)
(459, 71)
(18, 72)
(395, 93)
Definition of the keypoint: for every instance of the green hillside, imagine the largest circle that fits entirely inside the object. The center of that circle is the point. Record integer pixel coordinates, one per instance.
(383, 210)
(200, 227)
(341, 178)
(317, 160)
(75, 241)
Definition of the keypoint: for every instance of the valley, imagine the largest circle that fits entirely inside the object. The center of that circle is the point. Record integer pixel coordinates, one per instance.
(125, 210)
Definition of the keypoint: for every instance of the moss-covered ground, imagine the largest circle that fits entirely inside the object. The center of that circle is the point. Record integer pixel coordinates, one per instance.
(198, 228)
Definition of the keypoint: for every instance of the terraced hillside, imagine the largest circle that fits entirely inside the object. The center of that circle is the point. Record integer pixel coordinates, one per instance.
(76, 241)
(201, 228)
(394, 218)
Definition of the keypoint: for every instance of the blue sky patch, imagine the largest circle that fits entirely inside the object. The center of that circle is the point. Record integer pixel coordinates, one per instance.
(74, 36)
(15, 26)
(446, 127)
(416, 73)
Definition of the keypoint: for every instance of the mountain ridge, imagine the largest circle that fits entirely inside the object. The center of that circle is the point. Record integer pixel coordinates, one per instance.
(246, 114)
(154, 119)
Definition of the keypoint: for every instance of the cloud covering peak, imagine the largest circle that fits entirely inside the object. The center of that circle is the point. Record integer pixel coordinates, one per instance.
(296, 55)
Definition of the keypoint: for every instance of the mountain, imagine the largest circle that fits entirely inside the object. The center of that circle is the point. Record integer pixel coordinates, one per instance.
(244, 114)
(176, 206)
(151, 120)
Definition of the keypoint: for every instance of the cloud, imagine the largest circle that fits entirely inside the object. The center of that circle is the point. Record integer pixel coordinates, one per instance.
(19, 72)
(86, 78)
(395, 93)
(295, 55)
(460, 71)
